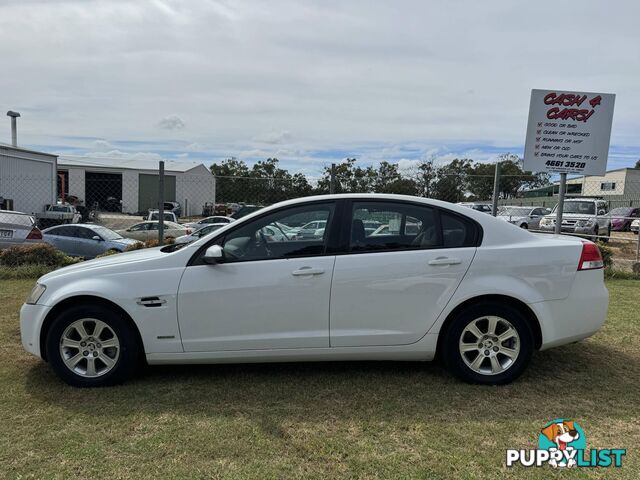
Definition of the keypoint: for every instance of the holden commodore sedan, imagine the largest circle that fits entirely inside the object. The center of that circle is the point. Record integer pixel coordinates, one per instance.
(480, 293)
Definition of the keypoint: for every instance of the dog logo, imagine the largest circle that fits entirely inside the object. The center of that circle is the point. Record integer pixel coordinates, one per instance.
(564, 436)
(563, 444)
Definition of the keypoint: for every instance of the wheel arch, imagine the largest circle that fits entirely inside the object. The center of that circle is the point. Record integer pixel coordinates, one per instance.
(499, 299)
(85, 300)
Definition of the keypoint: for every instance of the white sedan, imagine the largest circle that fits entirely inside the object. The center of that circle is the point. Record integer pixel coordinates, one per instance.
(149, 230)
(479, 292)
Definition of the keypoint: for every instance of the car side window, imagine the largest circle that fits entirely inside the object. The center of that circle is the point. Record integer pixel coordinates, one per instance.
(404, 226)
(280, 235)
(85, 233)
(457, 231)
(60, 232)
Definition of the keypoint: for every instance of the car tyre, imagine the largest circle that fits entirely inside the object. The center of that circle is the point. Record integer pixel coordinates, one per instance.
(525, 226)
(478, 367)
(92, 335)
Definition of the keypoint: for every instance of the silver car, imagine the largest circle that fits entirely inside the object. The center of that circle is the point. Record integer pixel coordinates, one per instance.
(581, 216)
(205, 230)
(84, 240)
(17, 228)
(523, 217)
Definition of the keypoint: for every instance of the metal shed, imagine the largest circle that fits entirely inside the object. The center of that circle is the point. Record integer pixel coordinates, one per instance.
(27, 179)
(133, 183)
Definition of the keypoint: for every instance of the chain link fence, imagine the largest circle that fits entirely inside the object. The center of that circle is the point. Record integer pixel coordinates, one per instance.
(134, 204)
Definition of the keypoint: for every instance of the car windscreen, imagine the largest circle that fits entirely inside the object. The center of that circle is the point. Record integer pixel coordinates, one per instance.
(622, 211)
(585, 208)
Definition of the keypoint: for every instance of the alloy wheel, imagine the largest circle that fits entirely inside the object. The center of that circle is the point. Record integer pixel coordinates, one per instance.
(89, 347)
(489, 345)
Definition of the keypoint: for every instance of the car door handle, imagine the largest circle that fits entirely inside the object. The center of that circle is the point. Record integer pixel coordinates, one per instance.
(307, 271)
(445, 261)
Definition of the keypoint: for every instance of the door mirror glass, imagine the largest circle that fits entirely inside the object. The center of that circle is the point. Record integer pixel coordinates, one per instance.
(214, 254)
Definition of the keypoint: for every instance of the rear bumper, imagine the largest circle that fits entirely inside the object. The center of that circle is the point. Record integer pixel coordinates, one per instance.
(576, 317)
(31, 320)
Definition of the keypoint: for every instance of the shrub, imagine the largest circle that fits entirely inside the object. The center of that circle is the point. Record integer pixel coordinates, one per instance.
(35, 254)
(607, 254)
(147, 244)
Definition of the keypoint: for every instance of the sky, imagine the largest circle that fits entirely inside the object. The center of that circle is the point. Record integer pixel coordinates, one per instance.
(308, 82)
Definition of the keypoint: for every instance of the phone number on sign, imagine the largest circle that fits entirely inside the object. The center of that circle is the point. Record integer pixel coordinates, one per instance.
(562, 163)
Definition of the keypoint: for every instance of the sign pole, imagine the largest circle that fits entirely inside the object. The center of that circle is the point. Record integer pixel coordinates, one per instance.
(496, 190)
(161, 202)
(560, 208)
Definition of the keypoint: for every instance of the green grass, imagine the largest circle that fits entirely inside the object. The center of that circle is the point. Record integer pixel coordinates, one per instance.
(334, 420)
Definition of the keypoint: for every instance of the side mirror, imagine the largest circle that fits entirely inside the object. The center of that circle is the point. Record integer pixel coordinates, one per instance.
(97, 238)
(213, 255)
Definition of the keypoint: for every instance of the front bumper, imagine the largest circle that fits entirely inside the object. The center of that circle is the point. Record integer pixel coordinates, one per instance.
(576, 317)
(569, 229)
(31, 321)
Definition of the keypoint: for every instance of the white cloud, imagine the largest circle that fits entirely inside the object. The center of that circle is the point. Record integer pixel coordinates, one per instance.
(341, 75)
(275, 138)
(171, 122)
(102, 145)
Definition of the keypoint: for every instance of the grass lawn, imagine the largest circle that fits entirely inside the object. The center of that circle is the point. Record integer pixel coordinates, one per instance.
(385, 420)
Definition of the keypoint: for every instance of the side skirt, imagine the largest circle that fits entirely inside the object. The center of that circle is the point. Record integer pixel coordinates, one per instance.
(423, 350)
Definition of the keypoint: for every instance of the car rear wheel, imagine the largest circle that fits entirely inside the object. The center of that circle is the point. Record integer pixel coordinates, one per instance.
(92, 346)
(488, 343)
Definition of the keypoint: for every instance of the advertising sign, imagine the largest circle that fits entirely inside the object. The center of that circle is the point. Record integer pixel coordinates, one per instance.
(568, 132)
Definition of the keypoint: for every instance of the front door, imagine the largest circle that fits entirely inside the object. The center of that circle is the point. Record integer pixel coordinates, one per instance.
(392, 284)
(270, 292)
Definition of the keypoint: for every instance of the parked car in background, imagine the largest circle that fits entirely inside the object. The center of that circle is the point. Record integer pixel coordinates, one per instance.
(622, 217)
(208, 221)
(581, 216)
(58, 214)
(155, 215)
(149, 230)
(481, 293)
(635, 226)
(480, 207)
(201, 232)
(523, 217)
(85, 240)
(174, 207)
(17, 228)
(313, 229)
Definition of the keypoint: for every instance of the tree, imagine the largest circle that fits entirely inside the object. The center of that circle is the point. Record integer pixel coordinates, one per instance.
(452, 180)
(637, 164)
(426, 177)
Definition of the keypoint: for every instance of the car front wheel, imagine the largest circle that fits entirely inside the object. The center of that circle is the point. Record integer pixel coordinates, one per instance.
(91, 346)
(488, 343)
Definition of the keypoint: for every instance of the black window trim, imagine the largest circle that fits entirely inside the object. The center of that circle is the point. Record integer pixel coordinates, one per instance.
(347, 218)
(329, 249)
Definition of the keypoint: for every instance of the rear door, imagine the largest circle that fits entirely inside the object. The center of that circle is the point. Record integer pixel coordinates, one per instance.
(389, 289)
(65, 238)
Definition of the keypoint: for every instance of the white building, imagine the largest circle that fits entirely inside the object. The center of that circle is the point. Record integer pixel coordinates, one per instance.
(134, 182)
(27, 179)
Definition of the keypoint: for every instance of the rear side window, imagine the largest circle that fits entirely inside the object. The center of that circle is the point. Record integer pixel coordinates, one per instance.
(457, 231)
(406, 226)
(381, 226)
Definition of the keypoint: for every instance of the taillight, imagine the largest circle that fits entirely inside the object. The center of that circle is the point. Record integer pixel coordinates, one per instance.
(35, 234)
(591, 258)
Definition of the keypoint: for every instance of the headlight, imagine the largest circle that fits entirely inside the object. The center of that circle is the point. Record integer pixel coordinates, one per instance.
(585, 223)
(36, 293)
